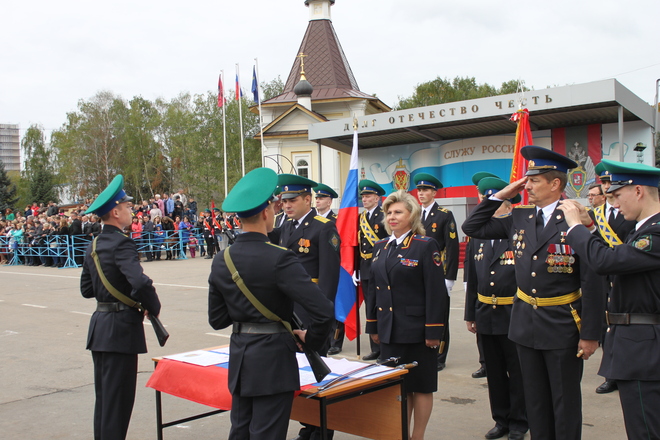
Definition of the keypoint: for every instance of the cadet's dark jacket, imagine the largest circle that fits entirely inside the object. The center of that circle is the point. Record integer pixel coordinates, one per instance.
(490, 271)
(123, 331)
(411, 297)
(376, 222)
(332, 216)
(550, 327)
(440, 224)
(319, 236)
(632, 352)
(263, 364)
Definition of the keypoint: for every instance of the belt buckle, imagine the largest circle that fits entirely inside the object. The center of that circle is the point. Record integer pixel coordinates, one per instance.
(494, 301)
(533, 302)
(607, 317)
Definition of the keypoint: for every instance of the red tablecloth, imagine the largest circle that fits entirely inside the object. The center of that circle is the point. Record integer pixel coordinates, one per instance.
(205, 385)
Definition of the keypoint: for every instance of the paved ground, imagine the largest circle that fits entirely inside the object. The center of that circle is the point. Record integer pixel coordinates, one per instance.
(46, 383)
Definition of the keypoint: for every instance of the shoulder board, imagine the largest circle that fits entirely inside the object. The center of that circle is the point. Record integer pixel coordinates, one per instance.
(524, 206)
(443, 209)
(321, 219)
(383, 239)
(421, 238)
(274, 245)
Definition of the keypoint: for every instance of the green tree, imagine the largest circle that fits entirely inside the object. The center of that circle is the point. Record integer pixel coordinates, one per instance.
(8, 190)
(272, 88)
(442, 90)
(38, 177)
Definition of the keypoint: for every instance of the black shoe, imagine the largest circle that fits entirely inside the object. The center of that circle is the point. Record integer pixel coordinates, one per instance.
(607, 387)
(441, 366)
(497, 432)
(371, 356)
(334, 350)
(481, 372)
(208, 258)
(516, 435)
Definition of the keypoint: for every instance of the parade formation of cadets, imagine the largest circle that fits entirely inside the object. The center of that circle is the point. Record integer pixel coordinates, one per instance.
(537, 283)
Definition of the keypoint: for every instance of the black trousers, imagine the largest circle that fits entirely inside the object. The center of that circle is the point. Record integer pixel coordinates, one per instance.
(640, 401)
(115, 379)
(505, 384)
(551, 379)
(375, 348)
(261, 417)
(210, 245)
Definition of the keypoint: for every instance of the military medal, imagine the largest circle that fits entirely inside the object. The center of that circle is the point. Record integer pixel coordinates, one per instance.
(304, 246)
(434, 226)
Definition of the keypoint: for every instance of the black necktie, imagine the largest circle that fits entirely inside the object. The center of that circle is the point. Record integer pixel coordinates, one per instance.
(612, 215)
(295, 223)
(392, 248)
(539, 223)
(424, 216)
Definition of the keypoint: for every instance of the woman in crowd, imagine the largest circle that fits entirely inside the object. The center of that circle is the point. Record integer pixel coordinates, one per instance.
(136, 229)
(158, 237)
(155, 211)
(185, 228)
(9, 215)
(411, 304)
(62, 239)
(170, 236)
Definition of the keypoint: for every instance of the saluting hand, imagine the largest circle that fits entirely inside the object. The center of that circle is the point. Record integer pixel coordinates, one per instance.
(574, 213)
(511, 190)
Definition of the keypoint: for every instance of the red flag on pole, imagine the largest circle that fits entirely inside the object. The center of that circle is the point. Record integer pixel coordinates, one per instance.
(221, 93)
(523, 138)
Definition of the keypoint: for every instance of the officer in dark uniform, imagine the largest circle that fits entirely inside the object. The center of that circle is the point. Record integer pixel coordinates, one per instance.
(116, 332)
(631, 356)
(614, 229)
(371, 229)
(262, 388)
(491, 287)
(315, 241)
(324, 195)
(408, 317)
(557, 312)
(439, 223)
(208, 231)
(481, 371)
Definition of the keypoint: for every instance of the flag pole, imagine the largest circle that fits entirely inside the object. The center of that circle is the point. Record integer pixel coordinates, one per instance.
(239, 94)
(261, 121)
(224, 130)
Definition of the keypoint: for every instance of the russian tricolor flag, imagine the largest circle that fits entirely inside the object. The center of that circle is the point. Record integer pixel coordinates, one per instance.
(346, 306)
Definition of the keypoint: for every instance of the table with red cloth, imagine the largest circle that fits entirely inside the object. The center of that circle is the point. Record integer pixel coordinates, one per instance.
(342, 408)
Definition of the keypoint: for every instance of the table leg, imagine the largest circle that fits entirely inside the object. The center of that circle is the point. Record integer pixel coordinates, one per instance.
(159, 416)
(323, 418)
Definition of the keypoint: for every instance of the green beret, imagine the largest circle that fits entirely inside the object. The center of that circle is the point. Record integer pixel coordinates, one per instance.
(624, 174)
(110, 197)
(252, 194)
(370, 187)
(476, 177)
(491, 185)
(323, 190)
(292, 185)
(426, 180)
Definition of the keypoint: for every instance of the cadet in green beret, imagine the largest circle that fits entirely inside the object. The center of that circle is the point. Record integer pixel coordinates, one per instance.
(631, 354)
(440, 224)
(116, 332)
(489, 292)
(324, 196)
(263, 371)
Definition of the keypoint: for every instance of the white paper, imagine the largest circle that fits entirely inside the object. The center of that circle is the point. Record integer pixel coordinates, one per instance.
(200, 357)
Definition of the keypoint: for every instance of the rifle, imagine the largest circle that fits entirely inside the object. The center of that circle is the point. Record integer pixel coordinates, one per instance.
(159, 328)
(319, 368)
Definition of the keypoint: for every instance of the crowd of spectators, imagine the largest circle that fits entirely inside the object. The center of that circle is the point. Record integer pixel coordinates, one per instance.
(51, 235)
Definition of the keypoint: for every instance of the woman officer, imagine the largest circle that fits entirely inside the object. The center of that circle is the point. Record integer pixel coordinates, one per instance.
(407, 280)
